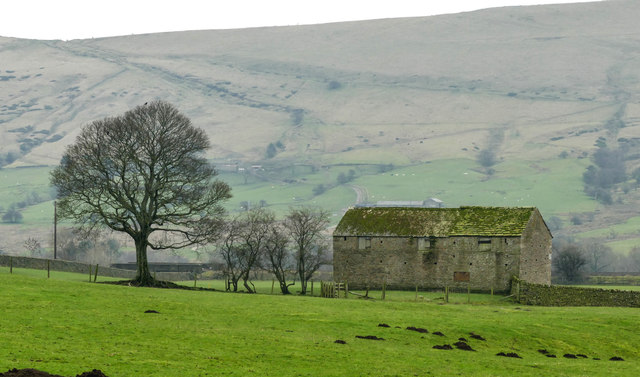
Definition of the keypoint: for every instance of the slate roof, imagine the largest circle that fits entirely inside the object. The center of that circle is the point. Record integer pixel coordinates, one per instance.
(437, 222)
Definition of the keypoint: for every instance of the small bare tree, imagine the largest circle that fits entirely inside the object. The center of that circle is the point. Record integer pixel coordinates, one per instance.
(599, 257)
(33, 247)
(256, 226)
(278, 256)
(306, 228)
(229, 245)
(569, 263)
(242, 245)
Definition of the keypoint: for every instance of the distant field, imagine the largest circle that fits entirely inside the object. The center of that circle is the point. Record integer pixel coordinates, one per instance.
(554, 186)
(67, 327)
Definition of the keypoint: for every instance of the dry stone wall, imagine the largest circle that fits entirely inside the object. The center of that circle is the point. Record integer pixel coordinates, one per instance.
(69, 266)
(557, 295)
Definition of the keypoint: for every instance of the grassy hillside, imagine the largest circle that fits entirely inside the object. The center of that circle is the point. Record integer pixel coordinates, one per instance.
(536, 72)
(66, 327)
(537, 86)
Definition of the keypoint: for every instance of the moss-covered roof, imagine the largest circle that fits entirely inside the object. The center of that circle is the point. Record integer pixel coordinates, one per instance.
(437, 222)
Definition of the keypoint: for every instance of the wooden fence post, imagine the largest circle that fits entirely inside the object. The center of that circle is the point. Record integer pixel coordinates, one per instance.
(446, 294)
(48, 269)
(384, 289)
(346, 289)
(312, 288)
(10, 265)
(95, 276)
(468, 293)
(273, 283)
(416, 299)
(90, 273)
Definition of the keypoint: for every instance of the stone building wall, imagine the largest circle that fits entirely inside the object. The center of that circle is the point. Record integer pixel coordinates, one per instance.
(404, 262)
(535, 265)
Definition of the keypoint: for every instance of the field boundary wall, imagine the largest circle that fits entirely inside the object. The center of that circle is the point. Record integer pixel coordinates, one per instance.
(83, 268)
(558, 295)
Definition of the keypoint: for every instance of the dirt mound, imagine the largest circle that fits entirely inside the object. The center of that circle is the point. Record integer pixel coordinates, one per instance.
(476, 336)
(27, 373)
(616, 358)
(93, 373)
(383, 325)
(463, 346)
(509, 354)
(443, 347)
(438, 333)
(418, 329)
(38, 373)
(152, 311)
(340, 341)
(569, 356)
(370, 337)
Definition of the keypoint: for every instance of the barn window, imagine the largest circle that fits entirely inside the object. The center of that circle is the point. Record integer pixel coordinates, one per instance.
(424, 244)
(364, 243)
(484, 244)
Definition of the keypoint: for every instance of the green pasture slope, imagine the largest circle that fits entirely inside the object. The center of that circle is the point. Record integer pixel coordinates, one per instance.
(67, 327)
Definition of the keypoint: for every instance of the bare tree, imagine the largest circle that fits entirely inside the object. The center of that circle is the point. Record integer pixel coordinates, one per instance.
(229, 245)
(242, 245)
(569, 262)
(599, 257)
(634, 259)
(33, 247)
(256, 228)
(142, 173)
(306, 228)
(278, 256)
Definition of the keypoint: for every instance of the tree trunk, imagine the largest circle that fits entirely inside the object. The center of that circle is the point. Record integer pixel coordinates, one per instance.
(245, 280)
(284, 288)
(302, 274)
(143, 275)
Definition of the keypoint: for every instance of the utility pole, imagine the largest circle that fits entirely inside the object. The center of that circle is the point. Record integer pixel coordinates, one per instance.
(55, 230)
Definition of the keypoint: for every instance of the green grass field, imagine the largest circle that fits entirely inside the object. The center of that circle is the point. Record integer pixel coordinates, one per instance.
(66, 326)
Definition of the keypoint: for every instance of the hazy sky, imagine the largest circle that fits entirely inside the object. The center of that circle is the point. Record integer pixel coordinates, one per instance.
(79, 19)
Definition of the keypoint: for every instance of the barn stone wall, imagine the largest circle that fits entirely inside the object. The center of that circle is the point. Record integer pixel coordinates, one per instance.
(535, 263)
(404, 262)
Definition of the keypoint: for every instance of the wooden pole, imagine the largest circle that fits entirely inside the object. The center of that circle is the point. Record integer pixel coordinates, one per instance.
(10, 265)
(446, 294)
(55, 229)
(90, 273)
(95, 276)
(416, 299)
(469, 293)
(273, 283)
(48, 269)
(384, 289)
(311, 287)
(195, 279)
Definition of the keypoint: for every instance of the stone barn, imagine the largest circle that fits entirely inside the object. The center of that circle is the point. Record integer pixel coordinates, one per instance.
(437, 247)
